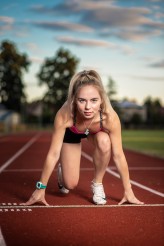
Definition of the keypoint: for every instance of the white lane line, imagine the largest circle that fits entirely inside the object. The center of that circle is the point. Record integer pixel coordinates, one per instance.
(137, 184)
(115, 174)
(2, 240)
(88, 169)
(23, 149)
(144, 168)
(82, 206)
(40, 170)
(88, 157)
(22, 170)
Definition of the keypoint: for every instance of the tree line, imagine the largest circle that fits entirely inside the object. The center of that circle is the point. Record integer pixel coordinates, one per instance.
(55, 73)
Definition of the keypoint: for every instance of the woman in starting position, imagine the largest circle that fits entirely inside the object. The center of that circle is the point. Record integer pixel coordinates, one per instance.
(87, 113)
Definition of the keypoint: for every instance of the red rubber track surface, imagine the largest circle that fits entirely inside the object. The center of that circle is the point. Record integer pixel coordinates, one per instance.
(73, 220)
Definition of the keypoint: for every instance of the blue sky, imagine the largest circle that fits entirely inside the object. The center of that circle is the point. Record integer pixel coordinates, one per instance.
(120, 39)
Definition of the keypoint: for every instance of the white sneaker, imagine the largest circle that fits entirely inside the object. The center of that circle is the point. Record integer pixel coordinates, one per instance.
(60, 181)
(98, 193)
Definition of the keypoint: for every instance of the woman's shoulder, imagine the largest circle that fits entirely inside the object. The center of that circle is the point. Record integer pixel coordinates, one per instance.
(111, 119)
(110, 114)
(63, 115)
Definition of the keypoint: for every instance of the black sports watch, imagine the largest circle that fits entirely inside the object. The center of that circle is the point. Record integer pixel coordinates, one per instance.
(39, 185)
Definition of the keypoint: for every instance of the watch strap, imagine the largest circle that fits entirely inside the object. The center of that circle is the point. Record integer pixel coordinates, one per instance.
(40, 185)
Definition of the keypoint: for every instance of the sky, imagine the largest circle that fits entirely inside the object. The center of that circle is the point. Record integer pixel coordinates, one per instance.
(121, 39)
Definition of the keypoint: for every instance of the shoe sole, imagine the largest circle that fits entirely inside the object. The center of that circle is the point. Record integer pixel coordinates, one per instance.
(96, 203)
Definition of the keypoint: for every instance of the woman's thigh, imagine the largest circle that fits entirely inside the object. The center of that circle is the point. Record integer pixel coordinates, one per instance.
(70, 160)
(101, 141)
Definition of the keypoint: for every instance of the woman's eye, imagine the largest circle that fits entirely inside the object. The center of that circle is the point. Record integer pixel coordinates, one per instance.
(81, 100)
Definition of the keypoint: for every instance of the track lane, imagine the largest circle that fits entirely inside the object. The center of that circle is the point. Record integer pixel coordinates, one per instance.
(82, 226)
(35, 155)
(77, 221)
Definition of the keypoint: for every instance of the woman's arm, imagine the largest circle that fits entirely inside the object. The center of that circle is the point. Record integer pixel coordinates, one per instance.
(118, 154)
(54, 150)
(120, 160)
(51, 159)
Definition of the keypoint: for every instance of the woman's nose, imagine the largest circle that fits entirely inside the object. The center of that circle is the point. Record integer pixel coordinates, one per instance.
(87, 105)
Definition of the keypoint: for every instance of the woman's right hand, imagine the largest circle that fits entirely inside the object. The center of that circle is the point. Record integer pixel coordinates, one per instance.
(38, 196)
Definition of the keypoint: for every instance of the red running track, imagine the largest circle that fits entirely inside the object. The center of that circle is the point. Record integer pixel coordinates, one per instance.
(73, 220)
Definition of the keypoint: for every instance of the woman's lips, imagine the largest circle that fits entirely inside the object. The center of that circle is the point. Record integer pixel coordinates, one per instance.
(88, 113)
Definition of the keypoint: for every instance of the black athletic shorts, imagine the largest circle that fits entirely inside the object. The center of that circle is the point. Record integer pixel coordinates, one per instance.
(71, 137)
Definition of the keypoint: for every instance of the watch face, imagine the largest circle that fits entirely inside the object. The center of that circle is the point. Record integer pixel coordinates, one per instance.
(38, 185)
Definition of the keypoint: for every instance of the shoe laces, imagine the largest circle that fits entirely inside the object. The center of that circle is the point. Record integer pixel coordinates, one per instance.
(98, 190)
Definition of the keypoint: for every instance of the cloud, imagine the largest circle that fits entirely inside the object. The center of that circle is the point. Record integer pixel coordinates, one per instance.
(94, 43)
(38, 8)
(33, 49)
(85, 42)
(114, 16)
(105, 18)
(136, 35)
(159, 64)
(9, 24)
(147, 78)
(10, 6)
(159, 15)
(124, 23)
(36, 59)
(31, 46)
(6, 23)
(21, 33)
(62, 26)
(6, 20)
(155, 1)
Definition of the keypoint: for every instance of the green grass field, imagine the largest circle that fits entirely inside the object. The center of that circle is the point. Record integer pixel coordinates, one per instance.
(145, 141)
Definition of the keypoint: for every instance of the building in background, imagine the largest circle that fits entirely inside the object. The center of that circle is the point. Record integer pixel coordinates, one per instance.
(131, 113)
(9, 120)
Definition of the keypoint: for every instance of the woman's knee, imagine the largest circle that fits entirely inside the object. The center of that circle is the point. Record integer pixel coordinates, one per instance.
(103, 142)
(70, 185)
(71, 179)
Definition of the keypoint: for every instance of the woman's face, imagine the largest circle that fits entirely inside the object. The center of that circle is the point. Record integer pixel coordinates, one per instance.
(88, 101)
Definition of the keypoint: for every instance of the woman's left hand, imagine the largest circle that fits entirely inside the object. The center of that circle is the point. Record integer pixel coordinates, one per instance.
(130, 198)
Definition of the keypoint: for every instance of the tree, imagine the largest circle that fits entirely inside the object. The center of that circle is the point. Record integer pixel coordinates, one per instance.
(154, 112)
(136, 120)
(111, 89)
(111, 92)
(11, 85)
(158, 116)
(56, 73)
(149, 106)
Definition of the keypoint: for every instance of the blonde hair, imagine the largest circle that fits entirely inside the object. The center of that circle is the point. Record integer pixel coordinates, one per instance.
(81, 79)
